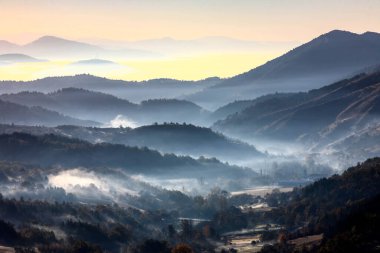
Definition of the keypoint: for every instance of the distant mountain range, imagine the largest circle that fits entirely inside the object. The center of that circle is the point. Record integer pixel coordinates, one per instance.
(318, 117)
(55, 47)
(51, 47)
(16, 58)
(130, 90)
(328, 58)
(211, 44)
(96, 106)
(99, 62)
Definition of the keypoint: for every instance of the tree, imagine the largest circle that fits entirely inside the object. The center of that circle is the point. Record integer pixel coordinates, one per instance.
(187, 229)
(182, 248)
(171, 231)
(150, 246)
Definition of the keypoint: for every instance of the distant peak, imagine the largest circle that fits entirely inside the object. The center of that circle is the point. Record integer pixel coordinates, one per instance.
(335, 33)
(370, 35)
(6, 41)
(49, 38)
(18, 58)
(53, 40)
(94, 62)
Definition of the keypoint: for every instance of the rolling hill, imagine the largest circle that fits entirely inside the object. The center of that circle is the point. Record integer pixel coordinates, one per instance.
(102, 107)
(12, 113)
(179, 139)
(7, 47)
(17, 58)
(52, 47)
(53, 150)
(343, 209)
(130, 90)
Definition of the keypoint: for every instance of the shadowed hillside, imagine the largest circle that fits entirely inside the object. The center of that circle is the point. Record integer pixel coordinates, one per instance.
(322, 115)
(326, 59)
(102, 107)
(11, 113)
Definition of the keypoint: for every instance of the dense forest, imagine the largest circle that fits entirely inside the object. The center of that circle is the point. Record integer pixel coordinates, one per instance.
(344, 208)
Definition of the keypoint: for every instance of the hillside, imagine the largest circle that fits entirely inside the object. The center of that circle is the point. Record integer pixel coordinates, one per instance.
(52, 47)
(53, 150)
(262, 103)
(326, 59)
(7, 47)
(11, 113)
(103, 107)
(130, 90)
(343, 207)
(322, 115)
(76, 102)
(192, 140)
(16, 58)
(167, 138)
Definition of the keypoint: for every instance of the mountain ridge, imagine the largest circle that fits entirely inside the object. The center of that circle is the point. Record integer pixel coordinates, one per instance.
(328, 58)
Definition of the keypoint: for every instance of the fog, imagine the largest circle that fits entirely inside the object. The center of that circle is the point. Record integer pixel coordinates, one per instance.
(122, 121)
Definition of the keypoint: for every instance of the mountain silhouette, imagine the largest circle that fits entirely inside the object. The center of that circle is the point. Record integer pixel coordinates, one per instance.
(131, 90)
(326, 59)
(99, 62)
(52, 48)
(16, 58)
(8, 47)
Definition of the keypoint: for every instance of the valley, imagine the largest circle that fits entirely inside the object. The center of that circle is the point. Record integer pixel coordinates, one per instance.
(282, 158)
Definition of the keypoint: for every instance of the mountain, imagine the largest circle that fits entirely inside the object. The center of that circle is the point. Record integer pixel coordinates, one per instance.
(53, 150)
(75, 102)
(102, 107)
(343, 208)
(319, 116)
(12, 113)
(261, 103)
(228, 109)
(170, 110)
(8, 47)
(205, 45)
(16, 58)
(52, 47)
(359, 144)
(59, 48)
(96, 62)
(180, 139)
(132, 91)
(187, 139)
(328, 58)
(332, 53)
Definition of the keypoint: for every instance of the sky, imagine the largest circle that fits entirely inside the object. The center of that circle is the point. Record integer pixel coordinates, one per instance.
(290, 22)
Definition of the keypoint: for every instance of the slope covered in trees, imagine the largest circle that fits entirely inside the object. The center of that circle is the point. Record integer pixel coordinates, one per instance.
(49, 150)
(103, 107)
(322, 115)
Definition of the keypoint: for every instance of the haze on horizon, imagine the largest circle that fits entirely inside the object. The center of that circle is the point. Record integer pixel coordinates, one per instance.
(173, 32)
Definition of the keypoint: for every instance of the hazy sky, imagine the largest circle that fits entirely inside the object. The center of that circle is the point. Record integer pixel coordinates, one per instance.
(282, 24)
(264, 20)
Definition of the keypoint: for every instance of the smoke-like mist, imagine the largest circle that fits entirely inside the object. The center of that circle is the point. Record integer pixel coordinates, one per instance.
(123, 121)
